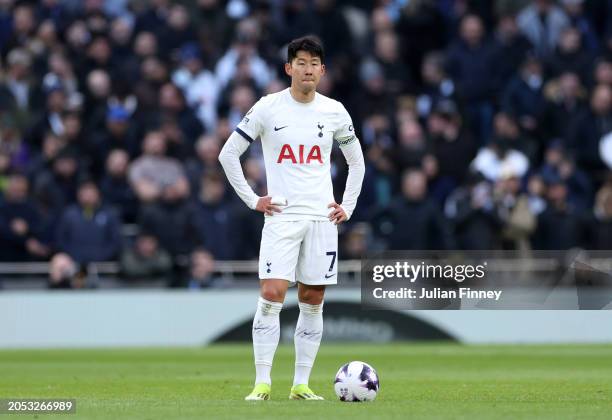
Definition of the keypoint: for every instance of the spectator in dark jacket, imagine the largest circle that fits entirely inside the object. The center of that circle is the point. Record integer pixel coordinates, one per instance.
(511, 48)
(452, 146)
(588, 128)
(524, 96)
(173, 219)
(471, 64)
(115, 187)
(560, 226)
(474, 214)
(565, 98)
(413, 221)
(215, 215)
(571, 55)
(20, 224)
(59, 184)
(89, 231)
(146, 260)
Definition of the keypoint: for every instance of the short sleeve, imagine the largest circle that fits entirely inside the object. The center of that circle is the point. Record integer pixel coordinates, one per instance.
(345, 132)
(252, 124)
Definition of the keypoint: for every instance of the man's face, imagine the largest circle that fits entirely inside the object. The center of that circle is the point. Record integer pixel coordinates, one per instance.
(305, 70)
(17, 189)
(88, 196)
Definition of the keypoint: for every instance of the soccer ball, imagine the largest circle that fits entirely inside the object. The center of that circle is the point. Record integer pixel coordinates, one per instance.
(356, 381)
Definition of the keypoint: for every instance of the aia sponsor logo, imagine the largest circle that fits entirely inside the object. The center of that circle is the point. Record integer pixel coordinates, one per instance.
(299, 156)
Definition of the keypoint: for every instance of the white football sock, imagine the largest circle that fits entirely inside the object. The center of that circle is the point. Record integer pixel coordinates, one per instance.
(266, 333)
(308, 333)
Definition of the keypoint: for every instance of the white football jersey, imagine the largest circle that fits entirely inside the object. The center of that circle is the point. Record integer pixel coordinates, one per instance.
(297, 140)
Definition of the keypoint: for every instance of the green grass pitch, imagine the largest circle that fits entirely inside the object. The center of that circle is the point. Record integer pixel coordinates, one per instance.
(418, 381)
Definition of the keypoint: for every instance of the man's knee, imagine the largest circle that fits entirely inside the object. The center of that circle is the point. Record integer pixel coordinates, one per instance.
(274, 291)
(313, 295)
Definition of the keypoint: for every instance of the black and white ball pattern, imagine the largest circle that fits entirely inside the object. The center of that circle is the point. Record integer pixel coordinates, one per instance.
(356, 381)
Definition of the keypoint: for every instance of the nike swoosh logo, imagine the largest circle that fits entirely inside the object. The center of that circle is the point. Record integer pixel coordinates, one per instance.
(329, 277)
(280, 128)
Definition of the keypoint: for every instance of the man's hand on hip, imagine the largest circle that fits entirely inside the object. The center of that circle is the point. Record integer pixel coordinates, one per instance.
(338, 215)
(264, 205)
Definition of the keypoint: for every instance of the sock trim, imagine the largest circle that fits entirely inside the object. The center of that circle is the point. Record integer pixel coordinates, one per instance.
(269, 307)
(310, 309)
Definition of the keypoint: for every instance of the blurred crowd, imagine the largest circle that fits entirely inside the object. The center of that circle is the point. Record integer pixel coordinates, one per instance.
(485, 125)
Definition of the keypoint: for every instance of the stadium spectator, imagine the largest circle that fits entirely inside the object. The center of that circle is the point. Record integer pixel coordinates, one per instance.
(50, 119)
(411, 147)
(12, 145)
(421, 28)
(176, 121)
(386, 54)
(65, 273)
(153, 170)
(19, 95)
(244, 47)
(412, 221)
(173, 219)
(20, 224)
(560, 226)
(452, 146)
(536, 192)
(558, 165)
(215, 28)
(523, 96)
(565, 97)
(215, 216)
(436, 85)
(201, 270)
(198, 84)
(501, 155)
(23, 28)
(511, 48)
(62, 73)
(43, 161)
(178, 30)
(146, 260)
(206, 159)
(59, 183)
(118, 132)
(600, 228)
(517, 218)
(247, 223)
(471, 65)
(357, 241)
(570, 55)
(116, 189)
(507, 132)
(576, 13)
(474, 215)
(588, 128)
(89, 231)
(542, 23)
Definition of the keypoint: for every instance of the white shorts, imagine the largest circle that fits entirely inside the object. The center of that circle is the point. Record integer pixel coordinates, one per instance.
(304, 251)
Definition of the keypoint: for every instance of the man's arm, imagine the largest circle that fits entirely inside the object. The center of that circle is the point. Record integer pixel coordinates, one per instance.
(354, 157)
(229, 157)
(230, 160)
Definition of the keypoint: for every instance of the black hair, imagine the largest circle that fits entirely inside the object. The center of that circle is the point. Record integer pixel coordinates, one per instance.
(309, 43)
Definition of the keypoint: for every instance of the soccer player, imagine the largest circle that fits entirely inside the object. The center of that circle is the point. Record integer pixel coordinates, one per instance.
(299, 243)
